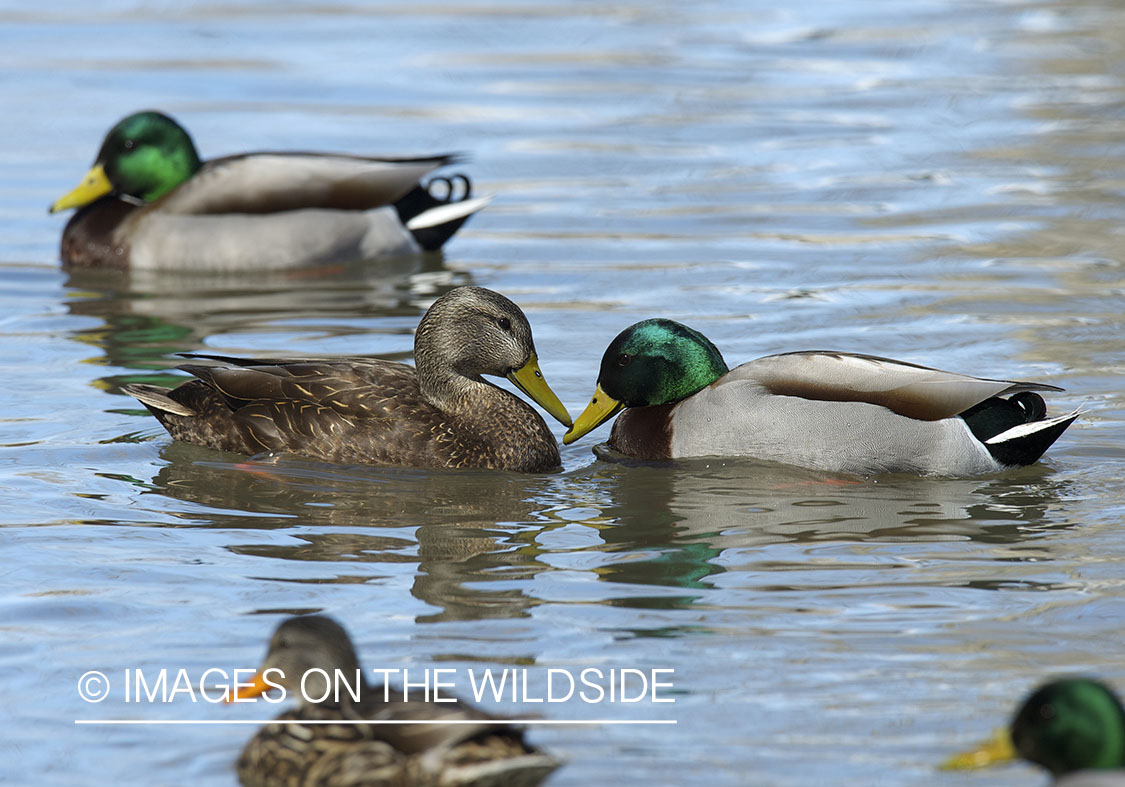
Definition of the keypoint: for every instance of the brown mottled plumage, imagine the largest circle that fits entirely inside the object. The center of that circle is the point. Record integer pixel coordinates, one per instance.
(368, 411)
(488, 754)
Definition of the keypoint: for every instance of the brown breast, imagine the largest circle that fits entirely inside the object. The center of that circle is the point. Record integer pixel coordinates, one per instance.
(644, 432)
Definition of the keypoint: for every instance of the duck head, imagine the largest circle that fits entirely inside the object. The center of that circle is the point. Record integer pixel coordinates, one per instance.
(143, 157)
(652, 362)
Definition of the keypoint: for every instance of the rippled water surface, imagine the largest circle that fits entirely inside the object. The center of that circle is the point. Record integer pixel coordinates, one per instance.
(936, 181)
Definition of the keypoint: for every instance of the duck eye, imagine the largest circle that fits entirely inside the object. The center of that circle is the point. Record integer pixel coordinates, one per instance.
(624, 359)
(505, 324)
(1047, 712)
(129, 144)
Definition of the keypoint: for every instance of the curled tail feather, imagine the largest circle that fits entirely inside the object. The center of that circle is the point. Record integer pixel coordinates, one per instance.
(433, 215)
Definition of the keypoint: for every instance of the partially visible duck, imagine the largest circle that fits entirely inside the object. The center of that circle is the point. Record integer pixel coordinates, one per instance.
(287, 753)
(149, 202)
(1075, 728)
(831, 411)
(355, 410)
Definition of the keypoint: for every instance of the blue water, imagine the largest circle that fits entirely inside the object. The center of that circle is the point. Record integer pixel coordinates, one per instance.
(933, 181)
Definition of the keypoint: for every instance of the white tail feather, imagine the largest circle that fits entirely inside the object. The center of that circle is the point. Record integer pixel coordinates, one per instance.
(1023, 430)
(443, 214)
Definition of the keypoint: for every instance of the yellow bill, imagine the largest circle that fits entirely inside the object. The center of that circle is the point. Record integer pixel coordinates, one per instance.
(257, 686)
(998, 749)
(530, 380)
(95, 184)
(600, 409)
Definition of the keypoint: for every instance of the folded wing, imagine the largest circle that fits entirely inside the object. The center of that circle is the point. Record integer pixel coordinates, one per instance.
(913, 391)
(274, 182)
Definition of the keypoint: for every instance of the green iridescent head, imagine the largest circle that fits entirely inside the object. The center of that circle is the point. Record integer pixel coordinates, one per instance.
(1071, 725)
(652, 362)
(657, 362)
(144, 156)
(1068, 725)
(147, 155)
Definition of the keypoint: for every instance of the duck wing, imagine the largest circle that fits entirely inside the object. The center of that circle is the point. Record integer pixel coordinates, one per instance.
(907, 389)
(305, 397)
(478, 750)
(271, 182)
(288, 752)
(414, 737)
(349, 410)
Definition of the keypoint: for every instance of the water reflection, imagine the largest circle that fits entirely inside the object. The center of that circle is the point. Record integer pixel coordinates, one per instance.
(475, 543)
(683, 524)
(938, 182)
(465, 531)
(148, 316)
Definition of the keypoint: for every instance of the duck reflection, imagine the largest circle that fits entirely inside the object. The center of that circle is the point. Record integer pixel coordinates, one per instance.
(680, 525)
(462, 529)
(658, 536)
(147, 317)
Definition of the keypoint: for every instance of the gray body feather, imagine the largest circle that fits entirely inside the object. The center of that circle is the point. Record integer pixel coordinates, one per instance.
(842, 413)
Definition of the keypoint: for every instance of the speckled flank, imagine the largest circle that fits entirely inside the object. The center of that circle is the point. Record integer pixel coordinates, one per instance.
(366, 411)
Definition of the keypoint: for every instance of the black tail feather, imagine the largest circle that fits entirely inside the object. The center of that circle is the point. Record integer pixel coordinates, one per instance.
(993, 417)
(1032, 404)
(1026, 449)
(996, 415)
(423, 197)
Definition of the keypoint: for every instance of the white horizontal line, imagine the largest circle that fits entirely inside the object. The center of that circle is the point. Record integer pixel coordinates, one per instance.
(374, 721)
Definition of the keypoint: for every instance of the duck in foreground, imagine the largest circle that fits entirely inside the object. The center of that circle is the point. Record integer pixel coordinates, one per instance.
(286, 753)
(149, 202)
(370, 411)
(1075, 728)
(830, 411)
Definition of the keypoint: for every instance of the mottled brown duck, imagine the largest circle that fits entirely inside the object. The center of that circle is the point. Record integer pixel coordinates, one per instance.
(439, 414)
(287, 753)
(149, 202)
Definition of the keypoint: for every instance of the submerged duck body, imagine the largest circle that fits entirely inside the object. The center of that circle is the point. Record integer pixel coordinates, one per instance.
(149, 202)
(1073, 727)
(439, 414)
(837, 412)
(286, 753)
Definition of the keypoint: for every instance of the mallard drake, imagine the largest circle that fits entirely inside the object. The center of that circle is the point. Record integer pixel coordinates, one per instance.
(150, 203)
(287, 753)
(1075, 728)
(370, 411)
(831, 411)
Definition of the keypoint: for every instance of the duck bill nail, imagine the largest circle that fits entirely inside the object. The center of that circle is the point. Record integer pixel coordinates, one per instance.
(996, 751)
(600, 409)
(257, 686)
(530, 380)
(95, 184)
